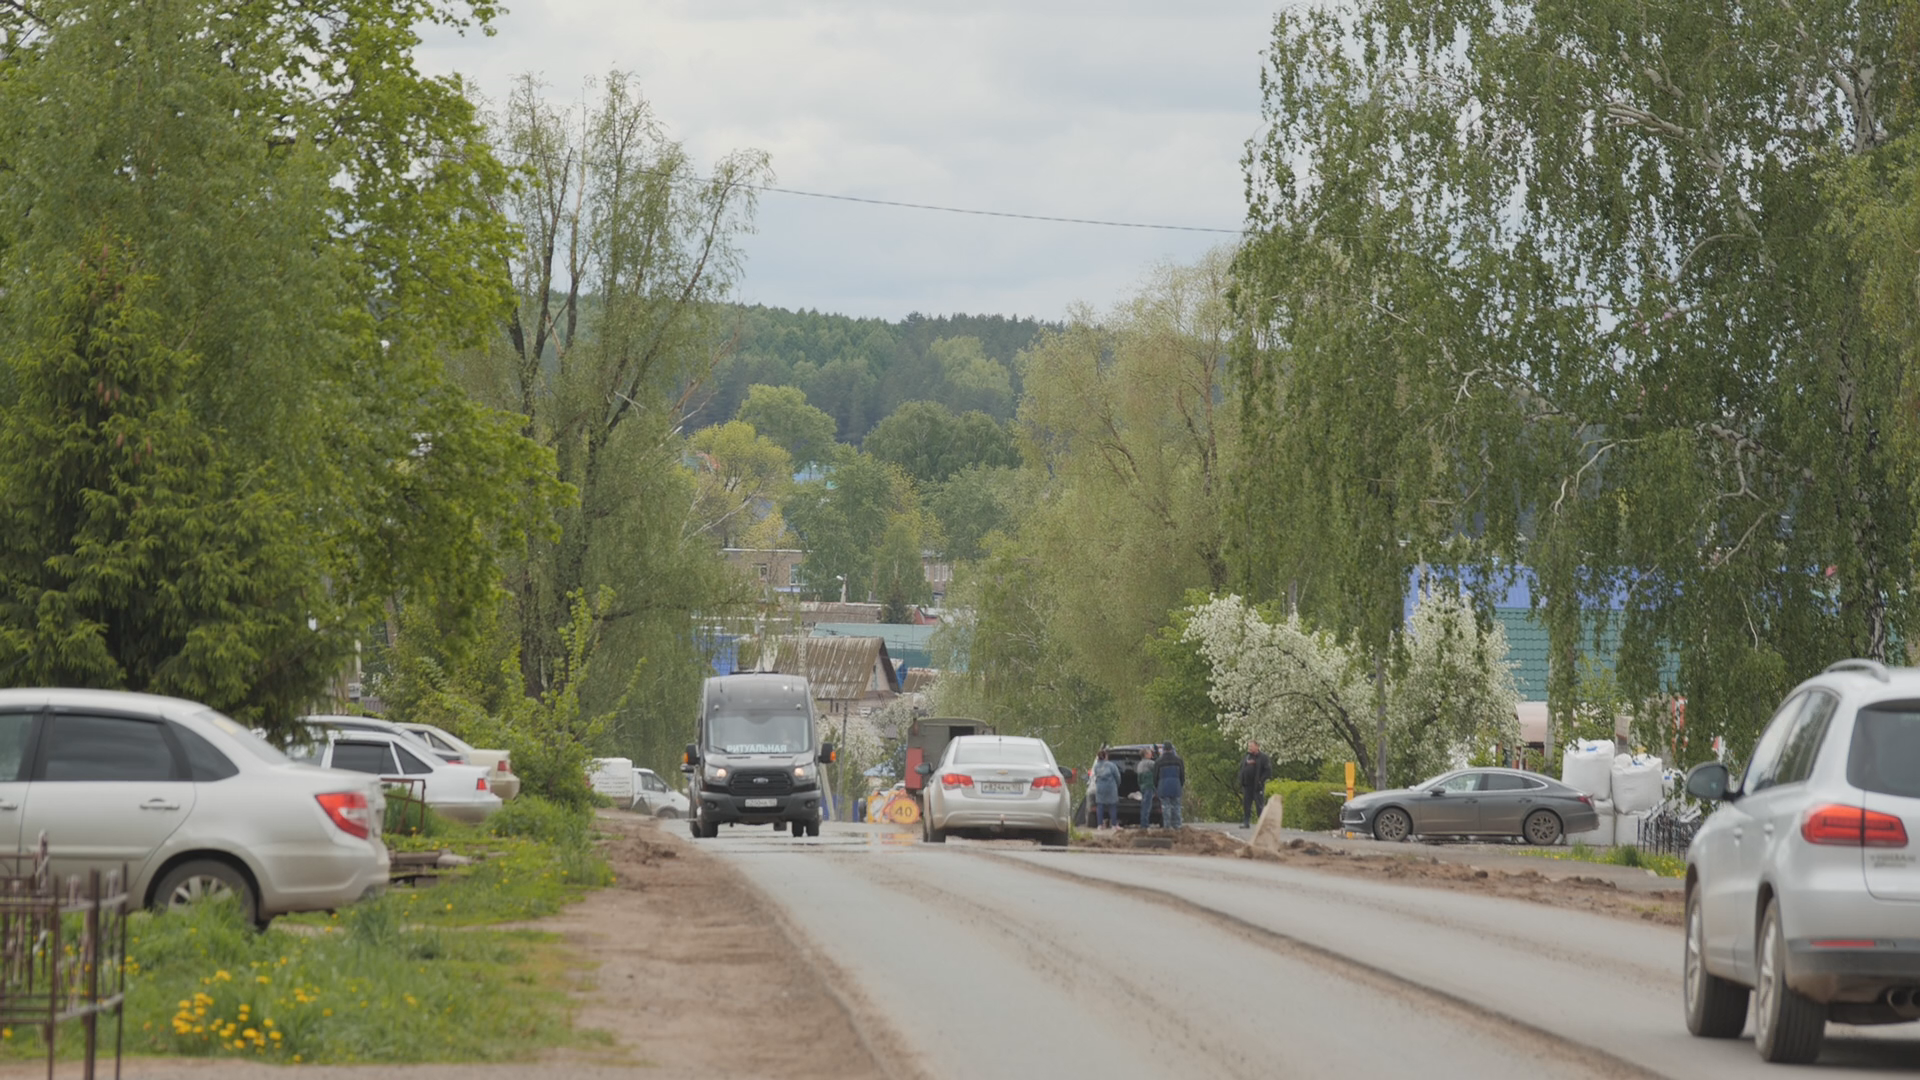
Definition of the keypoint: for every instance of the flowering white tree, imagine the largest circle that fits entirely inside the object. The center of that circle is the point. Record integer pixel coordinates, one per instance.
(1307, 697)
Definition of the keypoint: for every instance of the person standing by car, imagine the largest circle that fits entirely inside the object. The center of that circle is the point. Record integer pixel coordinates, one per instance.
(1255, 770)
(1106, 792)
(1144, 770)
(1170, 774)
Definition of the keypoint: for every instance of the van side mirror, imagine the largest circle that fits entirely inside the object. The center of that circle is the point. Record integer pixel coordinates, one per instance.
(827, 756)
(692, 756)
(1710, 782)
(923, 769)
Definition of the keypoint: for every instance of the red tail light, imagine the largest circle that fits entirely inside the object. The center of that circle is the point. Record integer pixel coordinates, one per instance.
(1587, 800)
(1046, 782)
(501, 766)
(479, 783)
(456, 761)
(954, 779)
(349, 812)
(1852, 826)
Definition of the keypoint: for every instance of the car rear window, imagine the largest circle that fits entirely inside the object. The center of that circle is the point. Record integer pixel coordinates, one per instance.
(1000, 753)
(241, 734)
(1885, 758)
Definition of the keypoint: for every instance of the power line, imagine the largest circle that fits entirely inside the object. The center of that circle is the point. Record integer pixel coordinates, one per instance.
(994, 213)
(675, 174)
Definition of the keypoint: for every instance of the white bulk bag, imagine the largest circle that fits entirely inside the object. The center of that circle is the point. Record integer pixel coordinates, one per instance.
(1602, 834)
(1637, 783)
(1626, 827)
(1587, 767)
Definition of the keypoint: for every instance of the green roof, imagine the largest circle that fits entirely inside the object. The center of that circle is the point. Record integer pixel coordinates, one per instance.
(906, 643)
(1527, 647)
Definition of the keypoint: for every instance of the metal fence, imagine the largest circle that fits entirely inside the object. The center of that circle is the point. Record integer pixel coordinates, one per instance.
(1669, 830)
(63, 953)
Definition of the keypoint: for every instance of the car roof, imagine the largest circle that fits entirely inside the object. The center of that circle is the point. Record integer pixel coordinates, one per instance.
(101, 699)
(999, 739)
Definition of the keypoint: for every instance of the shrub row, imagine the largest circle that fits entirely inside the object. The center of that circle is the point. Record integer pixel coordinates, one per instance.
(1310, 805)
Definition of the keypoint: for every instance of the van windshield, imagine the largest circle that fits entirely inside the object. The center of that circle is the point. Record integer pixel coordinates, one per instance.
(758, 732)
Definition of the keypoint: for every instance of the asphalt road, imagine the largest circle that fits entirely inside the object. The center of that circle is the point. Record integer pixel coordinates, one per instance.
(992, 960)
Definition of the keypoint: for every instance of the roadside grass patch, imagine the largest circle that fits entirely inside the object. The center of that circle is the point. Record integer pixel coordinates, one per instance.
(1672, 866)
(412, 976)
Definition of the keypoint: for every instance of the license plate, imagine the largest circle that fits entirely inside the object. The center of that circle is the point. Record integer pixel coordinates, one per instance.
(997, 787)
(760, 802)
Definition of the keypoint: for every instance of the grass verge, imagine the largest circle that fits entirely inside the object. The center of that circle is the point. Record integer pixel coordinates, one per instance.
(413, 975)
(1672, 866)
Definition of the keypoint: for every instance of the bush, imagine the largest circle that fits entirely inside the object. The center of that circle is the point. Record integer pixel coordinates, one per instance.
(1310, 805)
(539, 819)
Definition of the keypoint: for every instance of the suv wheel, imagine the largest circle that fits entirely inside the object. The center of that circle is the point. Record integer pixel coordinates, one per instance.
(1716, 1008)
(1788, 1027)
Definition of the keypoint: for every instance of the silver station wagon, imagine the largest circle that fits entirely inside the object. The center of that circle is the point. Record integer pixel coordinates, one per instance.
(189, 801)
(1803, 887)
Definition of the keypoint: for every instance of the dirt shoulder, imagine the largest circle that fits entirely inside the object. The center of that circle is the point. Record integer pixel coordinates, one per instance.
(680, 968)
(1578, 886)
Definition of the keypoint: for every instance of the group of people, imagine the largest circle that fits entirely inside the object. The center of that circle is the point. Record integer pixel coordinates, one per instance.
(1162, 775)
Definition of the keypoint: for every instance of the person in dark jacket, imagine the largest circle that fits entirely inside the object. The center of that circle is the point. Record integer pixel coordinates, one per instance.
(1255, 770)
(1170, 773)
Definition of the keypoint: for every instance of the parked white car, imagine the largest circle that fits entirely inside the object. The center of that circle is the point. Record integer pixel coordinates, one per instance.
(1802, 885)
(455, 792)
(652, 795)
(192, 803)
(457, 751)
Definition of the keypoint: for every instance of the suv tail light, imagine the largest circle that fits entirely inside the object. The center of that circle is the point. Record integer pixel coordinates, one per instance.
(1852, 826)
(1046, 782)
(954, 779)
(349, 812)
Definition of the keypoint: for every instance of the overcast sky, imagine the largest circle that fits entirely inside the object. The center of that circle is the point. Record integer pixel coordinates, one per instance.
(1126, 110)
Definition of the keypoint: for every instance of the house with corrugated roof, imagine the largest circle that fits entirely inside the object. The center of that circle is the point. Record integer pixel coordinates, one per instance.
(849, 675)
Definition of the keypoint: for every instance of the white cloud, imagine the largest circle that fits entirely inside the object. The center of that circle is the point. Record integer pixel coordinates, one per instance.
(1119, 109)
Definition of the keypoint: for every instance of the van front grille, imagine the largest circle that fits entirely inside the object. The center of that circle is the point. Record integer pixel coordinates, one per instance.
(760, 782)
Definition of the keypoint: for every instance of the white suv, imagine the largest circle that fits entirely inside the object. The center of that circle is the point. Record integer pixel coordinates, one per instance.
(189, 801)
(1805, 883)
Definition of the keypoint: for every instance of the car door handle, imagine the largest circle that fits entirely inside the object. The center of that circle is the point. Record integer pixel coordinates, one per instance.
(159, 804)
(1768, 830)
(4, 805)
(1738, 833)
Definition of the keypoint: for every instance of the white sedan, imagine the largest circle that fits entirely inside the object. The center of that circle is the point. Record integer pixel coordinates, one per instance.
(456, 792)
(457, 751)
(996, 785)
(190, 802)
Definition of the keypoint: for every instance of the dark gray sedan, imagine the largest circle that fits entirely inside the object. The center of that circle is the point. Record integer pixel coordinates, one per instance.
(1474, 802)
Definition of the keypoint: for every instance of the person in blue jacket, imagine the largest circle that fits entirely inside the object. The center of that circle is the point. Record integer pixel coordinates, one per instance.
(1106, 792)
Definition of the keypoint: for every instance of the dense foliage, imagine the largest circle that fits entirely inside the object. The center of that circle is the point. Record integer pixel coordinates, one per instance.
(1605, 290)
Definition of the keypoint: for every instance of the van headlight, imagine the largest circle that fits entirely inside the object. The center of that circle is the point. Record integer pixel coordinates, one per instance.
(715, 775)
(806, 774)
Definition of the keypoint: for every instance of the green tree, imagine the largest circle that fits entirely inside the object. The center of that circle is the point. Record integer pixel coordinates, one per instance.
(842, 520)
(974, 382)
(741, 476)
(627, 248)
(975, 503)
(1579, 285)
(931, 443)
(781, 413)
(171, 219)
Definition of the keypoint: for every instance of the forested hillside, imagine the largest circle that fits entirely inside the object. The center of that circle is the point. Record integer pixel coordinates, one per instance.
(860, 370)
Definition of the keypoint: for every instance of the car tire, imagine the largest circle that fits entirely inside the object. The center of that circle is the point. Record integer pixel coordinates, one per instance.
(1716, 1007)
(1392, 825)
(1788, 1027)
(930, 834)
(1062, 838)
(1542, 828)
(667, 813)
(207, 879)
(813, 827)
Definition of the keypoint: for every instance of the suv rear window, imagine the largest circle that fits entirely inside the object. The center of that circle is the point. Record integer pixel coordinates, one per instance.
(999, 753)
(1885, 758)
